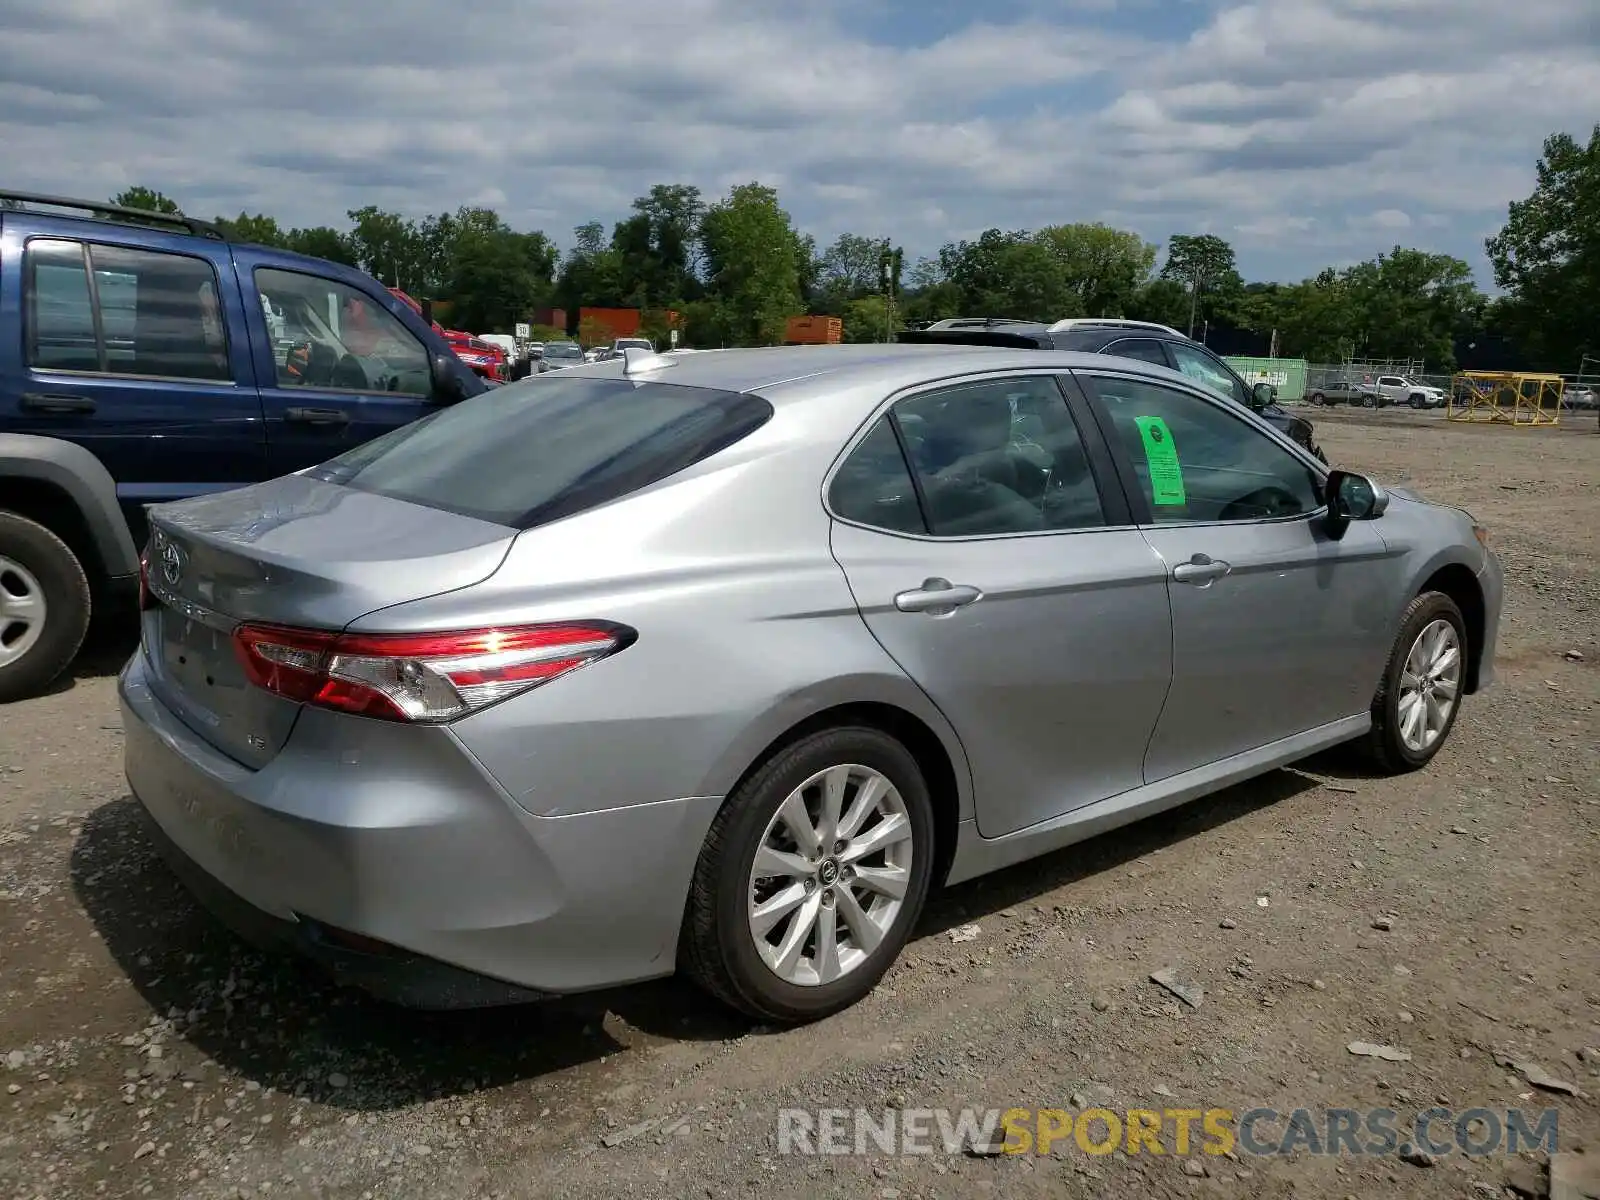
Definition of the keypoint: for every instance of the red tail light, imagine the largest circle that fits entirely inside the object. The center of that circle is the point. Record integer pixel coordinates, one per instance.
(146, 600)
(429, 677)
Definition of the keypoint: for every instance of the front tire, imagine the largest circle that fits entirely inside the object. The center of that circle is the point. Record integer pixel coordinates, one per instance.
(1318, 399)
(44, 607)
(1417, 402)
(1420, 695)
(1369, 402)
(812, 877)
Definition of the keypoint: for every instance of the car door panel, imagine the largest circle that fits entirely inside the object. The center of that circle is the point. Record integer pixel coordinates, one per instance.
(1053, 663)
(323, 391)
(1293, 636)
(1278, 626)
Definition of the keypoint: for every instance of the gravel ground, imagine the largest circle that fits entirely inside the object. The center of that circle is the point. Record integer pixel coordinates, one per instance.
(1454, 913)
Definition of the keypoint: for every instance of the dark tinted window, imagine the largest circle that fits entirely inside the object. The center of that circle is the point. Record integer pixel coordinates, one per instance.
(1198, 461)
(549, 447)
(157, 313)
(999, 456)
(1145, 349)
(873, 486)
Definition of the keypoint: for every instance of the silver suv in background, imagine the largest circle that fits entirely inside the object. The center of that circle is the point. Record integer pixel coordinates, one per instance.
(1398, 389)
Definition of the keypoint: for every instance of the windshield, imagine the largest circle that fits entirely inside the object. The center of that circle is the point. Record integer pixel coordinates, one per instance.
(549, 447)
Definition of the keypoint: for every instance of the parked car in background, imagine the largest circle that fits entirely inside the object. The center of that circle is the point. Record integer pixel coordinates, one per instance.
(1399, 389)
(1345, 391)
(559, 355)
(145, 358)
(483, 358)
(636, 343)
(1579, 397)
(1146, 341)
(720, 662)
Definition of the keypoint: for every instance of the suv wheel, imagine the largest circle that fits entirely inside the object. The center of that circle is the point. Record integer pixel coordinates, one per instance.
(44, 607)
(811, 878)
(1417, 400)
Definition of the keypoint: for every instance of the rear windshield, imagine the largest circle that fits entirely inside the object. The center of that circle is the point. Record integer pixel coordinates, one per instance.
(548, 447)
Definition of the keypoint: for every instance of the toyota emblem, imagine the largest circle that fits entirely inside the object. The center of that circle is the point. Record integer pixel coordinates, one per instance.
(171, 562)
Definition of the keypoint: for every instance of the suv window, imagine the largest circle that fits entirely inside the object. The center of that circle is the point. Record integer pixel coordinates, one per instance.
(1204, 368)
(148, 313)
(1145, 349)
(873, 486)
(1391, 381)
(548, 447)
(331, 335)
(999, 456)
(1197, 461)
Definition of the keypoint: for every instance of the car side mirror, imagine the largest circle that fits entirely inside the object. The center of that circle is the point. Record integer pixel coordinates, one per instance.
(1262, 395)
(448, 385)
(1352, 497)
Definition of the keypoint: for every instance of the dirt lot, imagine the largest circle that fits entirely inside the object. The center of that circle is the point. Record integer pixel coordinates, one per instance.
(143, 1051)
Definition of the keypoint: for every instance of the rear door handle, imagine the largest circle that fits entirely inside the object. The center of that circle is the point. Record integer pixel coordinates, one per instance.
(317, 416)
(57, 402)
(1201, 570)
(937, 597)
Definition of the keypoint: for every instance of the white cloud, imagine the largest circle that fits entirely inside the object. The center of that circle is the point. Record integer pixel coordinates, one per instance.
(1302, 129)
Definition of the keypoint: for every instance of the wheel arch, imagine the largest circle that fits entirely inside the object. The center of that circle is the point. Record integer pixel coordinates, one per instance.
(943, 766)
(1458, 581)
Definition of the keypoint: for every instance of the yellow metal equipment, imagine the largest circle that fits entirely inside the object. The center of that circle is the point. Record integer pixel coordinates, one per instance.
(1510, 397)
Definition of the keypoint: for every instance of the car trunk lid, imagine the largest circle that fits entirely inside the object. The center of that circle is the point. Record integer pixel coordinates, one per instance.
(295, 551)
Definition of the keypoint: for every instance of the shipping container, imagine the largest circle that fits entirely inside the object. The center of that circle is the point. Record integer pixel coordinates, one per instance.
(555, 318)
(616, 322)
(813, 331)
(1288, 375)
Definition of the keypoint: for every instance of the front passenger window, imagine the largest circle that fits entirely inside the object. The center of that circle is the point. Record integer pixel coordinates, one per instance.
(329, 335)
(1196, 461)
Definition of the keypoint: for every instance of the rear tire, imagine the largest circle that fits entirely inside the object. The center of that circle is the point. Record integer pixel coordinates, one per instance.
(44, 607)
(720, 948)
(1318, 399)
(1391, 745)
(1369, 402)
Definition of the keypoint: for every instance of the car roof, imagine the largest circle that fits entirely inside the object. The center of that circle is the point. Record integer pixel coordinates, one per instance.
(782, 373)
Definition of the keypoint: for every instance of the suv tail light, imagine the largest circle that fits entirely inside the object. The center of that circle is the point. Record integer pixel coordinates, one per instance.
(426, 678)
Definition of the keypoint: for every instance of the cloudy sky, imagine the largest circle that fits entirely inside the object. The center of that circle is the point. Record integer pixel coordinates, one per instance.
(1304, 131)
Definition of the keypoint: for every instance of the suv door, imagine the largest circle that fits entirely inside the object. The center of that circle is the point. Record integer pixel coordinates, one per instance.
(133, 347)
(338, 365)
(989, 548)
(1277, 628)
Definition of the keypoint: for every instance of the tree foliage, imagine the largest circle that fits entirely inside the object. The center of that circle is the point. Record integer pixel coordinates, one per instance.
(753, 263)
(1547, 257)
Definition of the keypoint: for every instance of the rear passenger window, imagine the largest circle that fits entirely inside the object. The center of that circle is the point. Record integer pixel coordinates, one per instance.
(873, 486)
(1144, 349)
(140, 312)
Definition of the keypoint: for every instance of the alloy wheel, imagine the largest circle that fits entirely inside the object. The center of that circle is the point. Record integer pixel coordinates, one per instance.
(1430, 685)
(830, 875)
(22, 611)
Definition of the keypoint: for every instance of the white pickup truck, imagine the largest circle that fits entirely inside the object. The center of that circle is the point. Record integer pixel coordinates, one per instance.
(1401, 390)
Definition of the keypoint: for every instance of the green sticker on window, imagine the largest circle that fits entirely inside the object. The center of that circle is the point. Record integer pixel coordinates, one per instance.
(1161, 454)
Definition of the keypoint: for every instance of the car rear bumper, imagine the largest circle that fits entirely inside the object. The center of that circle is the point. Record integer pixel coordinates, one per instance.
(361, 832)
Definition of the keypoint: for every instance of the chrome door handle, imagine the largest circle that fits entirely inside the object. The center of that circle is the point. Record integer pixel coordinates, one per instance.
(937, 596)
(1201, 570)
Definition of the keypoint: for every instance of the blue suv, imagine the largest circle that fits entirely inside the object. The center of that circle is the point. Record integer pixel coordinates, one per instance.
(146, 358)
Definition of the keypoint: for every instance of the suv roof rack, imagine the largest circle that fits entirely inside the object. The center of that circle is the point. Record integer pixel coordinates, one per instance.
(979, 323)
(92, 208)
(1111, 322)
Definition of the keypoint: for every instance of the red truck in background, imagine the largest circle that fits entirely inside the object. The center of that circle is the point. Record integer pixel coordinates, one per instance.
(485, 359)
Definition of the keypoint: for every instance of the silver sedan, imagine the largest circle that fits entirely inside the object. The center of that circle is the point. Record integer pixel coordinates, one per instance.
(720, 662)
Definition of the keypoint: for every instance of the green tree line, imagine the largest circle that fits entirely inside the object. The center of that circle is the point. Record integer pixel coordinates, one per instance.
(736, 268)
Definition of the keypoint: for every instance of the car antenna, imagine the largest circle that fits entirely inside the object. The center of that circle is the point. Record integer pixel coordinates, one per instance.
(639, 361)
